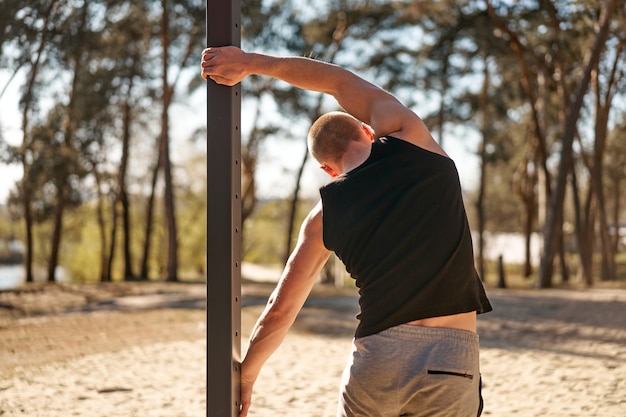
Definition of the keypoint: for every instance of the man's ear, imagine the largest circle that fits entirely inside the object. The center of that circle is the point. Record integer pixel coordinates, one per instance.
(329, 170)
(370, 132)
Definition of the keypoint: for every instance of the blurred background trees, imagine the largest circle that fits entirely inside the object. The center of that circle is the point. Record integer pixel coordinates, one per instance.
(531, 94)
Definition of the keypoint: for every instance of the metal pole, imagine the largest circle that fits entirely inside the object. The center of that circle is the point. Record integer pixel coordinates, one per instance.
(223, 222)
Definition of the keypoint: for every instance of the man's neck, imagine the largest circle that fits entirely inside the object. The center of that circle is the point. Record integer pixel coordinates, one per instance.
(355, 155)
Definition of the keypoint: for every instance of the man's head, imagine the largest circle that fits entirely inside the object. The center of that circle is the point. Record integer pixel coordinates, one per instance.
(330, 137)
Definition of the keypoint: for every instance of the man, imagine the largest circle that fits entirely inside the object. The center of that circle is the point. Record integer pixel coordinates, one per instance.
(394, 214)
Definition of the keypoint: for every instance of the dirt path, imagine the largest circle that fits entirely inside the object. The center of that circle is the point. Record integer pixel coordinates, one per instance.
(137, 349)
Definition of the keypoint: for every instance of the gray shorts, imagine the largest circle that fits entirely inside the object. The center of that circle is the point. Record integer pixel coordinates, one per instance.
(412, 371)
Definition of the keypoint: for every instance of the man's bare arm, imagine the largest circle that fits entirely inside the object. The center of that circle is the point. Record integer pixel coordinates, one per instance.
(298, 278)
(362, 99)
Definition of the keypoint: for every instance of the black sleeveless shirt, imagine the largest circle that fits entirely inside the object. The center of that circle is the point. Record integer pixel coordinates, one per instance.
(399, 225)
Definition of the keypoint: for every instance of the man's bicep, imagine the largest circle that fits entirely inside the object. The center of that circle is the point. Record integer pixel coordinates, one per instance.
(310, 254)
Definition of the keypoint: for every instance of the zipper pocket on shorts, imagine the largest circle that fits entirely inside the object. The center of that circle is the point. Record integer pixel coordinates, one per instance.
(461, 374)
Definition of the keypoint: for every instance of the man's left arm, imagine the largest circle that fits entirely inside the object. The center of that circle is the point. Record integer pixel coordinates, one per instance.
(365, 101)
(295, 284)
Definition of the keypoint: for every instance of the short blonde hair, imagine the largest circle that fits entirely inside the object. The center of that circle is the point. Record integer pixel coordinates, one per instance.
(330, 134)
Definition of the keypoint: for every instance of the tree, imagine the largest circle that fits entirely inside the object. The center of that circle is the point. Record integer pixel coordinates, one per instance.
(555, 214)
(74, 40)
(548, 59)
(29, 32)
(129, 25)
(184, 28)
(616, 175)
(604, 94)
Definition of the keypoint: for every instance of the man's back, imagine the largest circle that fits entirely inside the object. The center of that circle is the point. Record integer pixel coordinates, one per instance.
(399, 224)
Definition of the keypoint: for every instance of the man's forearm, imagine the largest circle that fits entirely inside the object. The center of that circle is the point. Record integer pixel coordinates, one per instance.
(304, 73)
(230, 65)
(362, 99)
(268, 333)
(352, 92)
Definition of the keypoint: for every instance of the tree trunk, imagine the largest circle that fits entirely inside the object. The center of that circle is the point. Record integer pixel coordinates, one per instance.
(123, 194)
(101, 225)
(63, 187)
(170, 216)
(53, 262)
(27, 100)
(524, 181)
(603, 109)
(529, 220)
(617, 195)
(28, 222)
(293, 207)
(444, 89)
(149, 215)
(112, 242)
(480, 212)
(482, 152)
(582, 236)
(563, 258)
(608, 256)
(501, 273)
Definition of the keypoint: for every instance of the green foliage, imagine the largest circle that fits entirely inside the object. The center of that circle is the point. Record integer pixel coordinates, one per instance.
(81, 245)
(505, 214)
(263, 239)
(81, 250)
(191, 214)
(8, 232)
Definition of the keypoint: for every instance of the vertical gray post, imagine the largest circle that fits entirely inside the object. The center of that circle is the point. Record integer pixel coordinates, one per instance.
(223, 222)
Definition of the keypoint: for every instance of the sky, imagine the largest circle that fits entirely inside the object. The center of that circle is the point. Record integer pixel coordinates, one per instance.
(278, 162)
(10, 120)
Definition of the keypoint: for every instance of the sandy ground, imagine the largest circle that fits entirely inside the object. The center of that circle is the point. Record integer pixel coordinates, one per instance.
(140, 350)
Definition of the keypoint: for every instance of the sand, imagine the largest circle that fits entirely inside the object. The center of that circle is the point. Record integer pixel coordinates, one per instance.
(140, 350)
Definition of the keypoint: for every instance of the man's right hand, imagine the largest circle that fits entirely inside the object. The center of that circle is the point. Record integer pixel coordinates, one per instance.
(226, 65)
(246, 397)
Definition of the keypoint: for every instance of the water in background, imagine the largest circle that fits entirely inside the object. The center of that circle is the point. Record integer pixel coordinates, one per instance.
(12, 276)
(509, 245)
